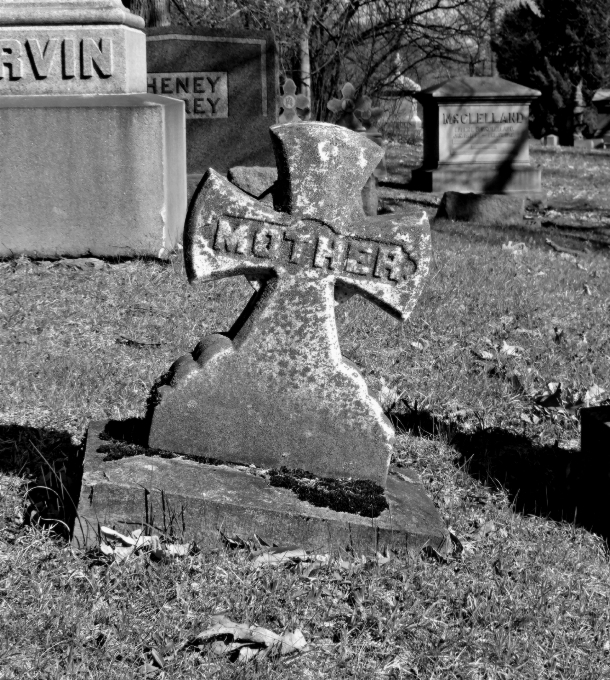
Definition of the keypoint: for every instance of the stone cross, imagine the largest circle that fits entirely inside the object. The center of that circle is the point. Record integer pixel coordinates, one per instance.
(275, 390)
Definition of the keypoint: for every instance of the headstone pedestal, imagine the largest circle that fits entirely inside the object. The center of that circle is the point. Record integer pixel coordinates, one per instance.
(92, 164)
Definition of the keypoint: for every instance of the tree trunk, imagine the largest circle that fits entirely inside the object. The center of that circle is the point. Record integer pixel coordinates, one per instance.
(493, 30)
(304, 58)
(305, 65)
(154, 12)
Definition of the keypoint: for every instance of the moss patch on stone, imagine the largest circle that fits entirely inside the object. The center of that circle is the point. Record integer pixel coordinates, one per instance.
(356, 496)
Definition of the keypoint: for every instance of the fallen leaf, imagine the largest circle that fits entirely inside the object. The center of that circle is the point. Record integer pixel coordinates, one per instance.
(483, 354)
(107, 532)
(550, 398)
(106, 549)
(510, 350)
(178, 549)
(484, 530)
(248, 641)
(293, 642)
(148, 669)
(279, 557)
(122, 340)
(157, 658)
(81, 263)
(517, 248)
(593, 394)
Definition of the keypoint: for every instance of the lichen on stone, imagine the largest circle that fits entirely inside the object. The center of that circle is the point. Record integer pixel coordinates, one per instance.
(356, 496)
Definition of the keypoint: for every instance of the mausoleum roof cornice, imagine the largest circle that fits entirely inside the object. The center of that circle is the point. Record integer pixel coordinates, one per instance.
(67, 13)
(478, 89)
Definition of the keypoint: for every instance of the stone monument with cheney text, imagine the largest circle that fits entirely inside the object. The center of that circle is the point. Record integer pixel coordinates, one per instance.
(476, 138)
(90, 163)
(275, 432)
(228, 81)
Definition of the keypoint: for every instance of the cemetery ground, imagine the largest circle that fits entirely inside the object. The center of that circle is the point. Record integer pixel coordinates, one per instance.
(484, 382)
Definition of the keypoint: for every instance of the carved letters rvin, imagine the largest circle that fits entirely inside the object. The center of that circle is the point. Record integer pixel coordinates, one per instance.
(64, 57)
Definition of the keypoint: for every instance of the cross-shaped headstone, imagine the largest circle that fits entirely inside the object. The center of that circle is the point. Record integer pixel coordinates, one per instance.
(275, 390)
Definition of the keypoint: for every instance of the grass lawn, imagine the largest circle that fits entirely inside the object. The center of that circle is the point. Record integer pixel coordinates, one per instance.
(465, 380)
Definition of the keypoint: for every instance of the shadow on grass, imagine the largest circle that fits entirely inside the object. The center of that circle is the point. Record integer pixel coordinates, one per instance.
(50, 463)
(541, 480)
(532, 232)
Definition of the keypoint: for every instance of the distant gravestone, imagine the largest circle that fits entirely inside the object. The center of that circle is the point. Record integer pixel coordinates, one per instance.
(274, 393)
(476, 138)
(401, 117)
(90, 164)
(228, 81)
(601, 102)
(587, 144)
(551, 141)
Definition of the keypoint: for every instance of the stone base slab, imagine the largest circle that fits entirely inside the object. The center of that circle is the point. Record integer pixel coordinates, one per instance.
(91, 175)
(479, 178)
(196, 500)
(491, 209)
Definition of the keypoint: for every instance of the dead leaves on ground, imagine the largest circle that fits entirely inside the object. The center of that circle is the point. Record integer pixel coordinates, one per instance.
(121, 547)
(242, 642)
(557, 401)
(263, 553)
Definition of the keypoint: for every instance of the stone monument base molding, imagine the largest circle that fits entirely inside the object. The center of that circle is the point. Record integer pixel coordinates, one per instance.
(479, 178)
(101, 175)
(195, 501)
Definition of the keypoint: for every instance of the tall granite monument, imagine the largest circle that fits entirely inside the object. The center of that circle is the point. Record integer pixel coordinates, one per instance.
(272, 430)
(228, 81)
(476, 138)
(90, 163)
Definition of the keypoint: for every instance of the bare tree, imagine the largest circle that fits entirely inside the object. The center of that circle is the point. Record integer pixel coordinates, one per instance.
(154, 12)
(323, 43)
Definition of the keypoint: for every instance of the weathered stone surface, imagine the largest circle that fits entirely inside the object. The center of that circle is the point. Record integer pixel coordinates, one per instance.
(254, 181)
(275, 390)
(96, 176)
(492, 209)
(228, 81)
(197, 500)
(50, 12)
(551, 141)
(587, 144)
(71, 47)
(370, 197)
(476, 138)
(258, 183)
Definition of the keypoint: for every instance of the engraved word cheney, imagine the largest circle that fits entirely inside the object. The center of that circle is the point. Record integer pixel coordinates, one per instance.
(311, 244)
(205, 94)
(64, 57)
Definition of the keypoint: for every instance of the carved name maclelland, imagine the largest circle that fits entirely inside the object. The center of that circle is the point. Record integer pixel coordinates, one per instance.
(64, 57)
(470, 118)
(310, 244)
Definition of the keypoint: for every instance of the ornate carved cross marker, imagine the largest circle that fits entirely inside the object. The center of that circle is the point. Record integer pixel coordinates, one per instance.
(275, 389)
